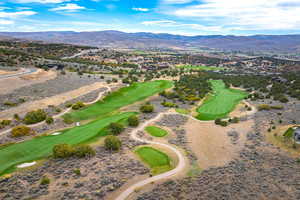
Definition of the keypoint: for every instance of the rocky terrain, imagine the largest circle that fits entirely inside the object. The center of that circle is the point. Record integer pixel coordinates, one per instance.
(61, 84)
(262, 171)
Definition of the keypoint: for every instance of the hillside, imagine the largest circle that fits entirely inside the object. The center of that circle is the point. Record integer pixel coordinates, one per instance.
(274, 43)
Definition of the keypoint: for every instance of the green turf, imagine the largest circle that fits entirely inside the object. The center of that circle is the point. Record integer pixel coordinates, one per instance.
(221, 102)
(201, 67)
(156, 131)
(289, 133)
(41, 147)
(123, 97)
(158, 161)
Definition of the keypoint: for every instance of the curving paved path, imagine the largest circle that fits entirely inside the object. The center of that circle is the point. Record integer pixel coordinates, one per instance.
(181, 164)
(64, 112)
(181, 161)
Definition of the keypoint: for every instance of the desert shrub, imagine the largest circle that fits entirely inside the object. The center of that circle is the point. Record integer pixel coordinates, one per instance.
(20, 131)
(69, 105)
(218, 121)
(9, 103)
(279, 107)
(84, 151)
(133, 121)
(224, 123)
(45, 180)
(16, 117)
(147, 108)
(78, 105)
(62, 151)
(58, 110)
(116, 128)
(49, 120)
(168, 104)
(249, 109)
(112, 143)
(235, 120)
(35, 117)
(5, 122)
(67, 120)
(263, 107)
(77, 172)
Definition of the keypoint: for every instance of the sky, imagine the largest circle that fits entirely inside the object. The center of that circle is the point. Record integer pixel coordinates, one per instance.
(183, 17)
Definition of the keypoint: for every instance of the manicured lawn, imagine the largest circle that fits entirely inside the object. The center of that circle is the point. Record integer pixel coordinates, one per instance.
(41, 147)
(156, 131)
(221, 102)
(201, 67)
(123, 97)
(158, 161)
(289, 133)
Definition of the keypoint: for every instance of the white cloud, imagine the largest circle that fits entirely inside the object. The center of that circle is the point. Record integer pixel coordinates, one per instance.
(243, 14)
(6, 22)
(16, 14)
(141, 9)
(70, 7)
(174, 24)
(41, 1)
(176, 1)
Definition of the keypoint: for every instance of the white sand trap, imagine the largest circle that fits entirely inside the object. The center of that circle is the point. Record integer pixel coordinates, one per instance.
(26, 165)
(57, 133)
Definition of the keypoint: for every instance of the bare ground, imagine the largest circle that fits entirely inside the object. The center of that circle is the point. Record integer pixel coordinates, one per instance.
(12, 83)
(54, 100)
(213, 144)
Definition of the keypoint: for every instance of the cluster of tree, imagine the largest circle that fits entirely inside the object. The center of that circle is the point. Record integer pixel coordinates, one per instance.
(66, 151)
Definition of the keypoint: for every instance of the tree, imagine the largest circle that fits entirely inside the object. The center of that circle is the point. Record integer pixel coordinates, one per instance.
(116, 128)
(147, 108)
(34, 117)
(62, 151)
(49, 120)
(78, 105)
(112, 143)
(133, 121)
(84, 151)
(20, 131)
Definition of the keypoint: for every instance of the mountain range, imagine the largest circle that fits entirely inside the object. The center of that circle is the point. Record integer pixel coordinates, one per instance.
(143, 40)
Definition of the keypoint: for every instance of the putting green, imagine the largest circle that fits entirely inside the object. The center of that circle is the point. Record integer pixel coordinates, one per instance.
(221, 102)
(41, 147)
(201, 67)
(158, 161)
(123, 97)
(156, 131)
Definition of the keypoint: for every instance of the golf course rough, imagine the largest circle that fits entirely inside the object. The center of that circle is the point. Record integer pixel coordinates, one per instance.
(156, 131)
(158, 161)
(221, 102)
(123, 97)
(41, 147)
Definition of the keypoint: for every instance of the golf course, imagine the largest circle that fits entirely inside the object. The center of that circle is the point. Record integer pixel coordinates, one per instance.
(158, 161)
(41, 147)
(221, 102)
(103, 114)
(200, 67)
(123, 97)
(156, 131)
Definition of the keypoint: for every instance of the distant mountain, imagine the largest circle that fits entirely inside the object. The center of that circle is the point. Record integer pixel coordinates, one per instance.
(117, 39)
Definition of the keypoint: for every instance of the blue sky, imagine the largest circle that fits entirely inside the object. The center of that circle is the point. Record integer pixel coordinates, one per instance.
(187, 17)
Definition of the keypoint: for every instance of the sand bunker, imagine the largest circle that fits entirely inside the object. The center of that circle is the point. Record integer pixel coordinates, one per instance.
(57, 133)
(24, 165)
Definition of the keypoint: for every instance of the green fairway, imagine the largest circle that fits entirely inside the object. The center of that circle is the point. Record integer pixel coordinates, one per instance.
(201, 67)
(158, 161)
(123, 97)
(41, 147)
(221, 102)
(156, 131)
